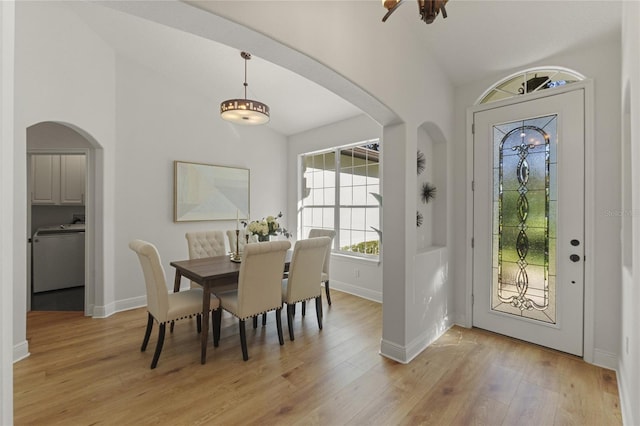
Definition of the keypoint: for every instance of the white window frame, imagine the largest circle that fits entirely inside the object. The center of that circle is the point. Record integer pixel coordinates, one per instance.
(337, 206)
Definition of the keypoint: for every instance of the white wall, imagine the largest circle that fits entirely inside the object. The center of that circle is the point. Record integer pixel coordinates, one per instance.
(7, 39)
(599, 61)
(159, 121)
(629, 349)
(356, 276)
(64, 73)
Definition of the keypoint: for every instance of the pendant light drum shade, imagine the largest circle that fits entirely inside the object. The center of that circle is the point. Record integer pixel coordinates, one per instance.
(245, 111)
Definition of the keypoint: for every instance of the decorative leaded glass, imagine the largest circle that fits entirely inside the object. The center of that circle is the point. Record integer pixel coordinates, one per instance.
(529, 81)
(524, 212)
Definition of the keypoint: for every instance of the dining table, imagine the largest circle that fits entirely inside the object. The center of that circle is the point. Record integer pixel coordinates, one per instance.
(218, 273)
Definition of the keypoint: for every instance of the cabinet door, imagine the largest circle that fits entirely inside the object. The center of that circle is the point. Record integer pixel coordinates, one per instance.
(72, 179)
(45, 172)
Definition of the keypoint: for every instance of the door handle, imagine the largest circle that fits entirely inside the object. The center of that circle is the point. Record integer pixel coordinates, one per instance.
(575, 242)
(574, 258)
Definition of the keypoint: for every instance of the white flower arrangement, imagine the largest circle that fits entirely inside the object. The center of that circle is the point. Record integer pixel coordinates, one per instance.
(266, 227)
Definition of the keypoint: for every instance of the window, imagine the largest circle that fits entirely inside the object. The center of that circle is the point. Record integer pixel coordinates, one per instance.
(338, 191)
(529, 81)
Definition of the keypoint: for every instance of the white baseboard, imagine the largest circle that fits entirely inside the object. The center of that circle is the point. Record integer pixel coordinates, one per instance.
(20, 351)
(624, 392)
(392, 351)
(605, 359)
(365, 293)
(119, 306)
(405, 354)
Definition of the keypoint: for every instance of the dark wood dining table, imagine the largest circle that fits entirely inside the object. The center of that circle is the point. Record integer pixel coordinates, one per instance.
(212, 273)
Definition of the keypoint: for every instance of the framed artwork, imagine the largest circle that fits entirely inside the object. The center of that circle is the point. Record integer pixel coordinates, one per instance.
(209, 192)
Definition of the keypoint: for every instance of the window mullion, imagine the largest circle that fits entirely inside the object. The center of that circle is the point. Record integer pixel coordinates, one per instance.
(336, 201)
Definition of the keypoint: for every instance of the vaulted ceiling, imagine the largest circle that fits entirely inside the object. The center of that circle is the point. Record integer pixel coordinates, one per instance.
(477, 39)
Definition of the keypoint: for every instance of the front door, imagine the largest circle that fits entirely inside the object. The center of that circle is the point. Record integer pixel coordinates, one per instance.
(528, 200)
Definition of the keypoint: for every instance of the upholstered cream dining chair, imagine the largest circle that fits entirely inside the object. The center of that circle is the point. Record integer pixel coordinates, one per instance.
(162, 306)
(314, 233)
(205, 244)
(303, 282)
(259, 287)
(231, 237)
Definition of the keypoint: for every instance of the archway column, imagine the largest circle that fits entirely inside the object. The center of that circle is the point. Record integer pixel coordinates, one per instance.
(395, 220)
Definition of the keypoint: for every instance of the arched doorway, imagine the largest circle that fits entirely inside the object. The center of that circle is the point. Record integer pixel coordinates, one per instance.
(61, 218)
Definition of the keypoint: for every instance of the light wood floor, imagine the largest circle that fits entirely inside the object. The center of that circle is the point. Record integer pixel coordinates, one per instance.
(85, 371)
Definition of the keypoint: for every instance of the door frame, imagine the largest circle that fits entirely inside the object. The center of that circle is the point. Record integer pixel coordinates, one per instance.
(589, 204)
(89, 262)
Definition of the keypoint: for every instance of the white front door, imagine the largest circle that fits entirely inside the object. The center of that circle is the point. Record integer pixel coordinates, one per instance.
(528, 201)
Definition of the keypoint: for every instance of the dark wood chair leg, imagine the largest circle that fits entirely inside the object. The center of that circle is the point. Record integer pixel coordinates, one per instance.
(243, 340)
(147, 333)
(199, 323)
(156, 355)
(326, 290)
(264, 319)
(293, 309)
(290, 320)
(319, 311)
(279, 325)
(255, 322)
(304, 307)
(216, 319)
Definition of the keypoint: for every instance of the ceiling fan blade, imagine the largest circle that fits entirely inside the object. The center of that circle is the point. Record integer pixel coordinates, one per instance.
(386, 16)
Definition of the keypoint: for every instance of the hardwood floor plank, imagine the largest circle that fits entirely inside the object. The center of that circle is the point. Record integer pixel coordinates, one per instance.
(85, 371)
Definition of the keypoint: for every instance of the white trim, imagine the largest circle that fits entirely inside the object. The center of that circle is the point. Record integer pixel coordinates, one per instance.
(467, 316)
(605, 359)
(589, 205)
(365, 293)
(578, 75)
(624, 392)
(589, 221)
(20, 351)
(119, 306)
(392, 351)
(406, 354)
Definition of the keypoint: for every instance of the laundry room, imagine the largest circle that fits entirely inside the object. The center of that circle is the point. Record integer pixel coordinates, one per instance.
(57, 194)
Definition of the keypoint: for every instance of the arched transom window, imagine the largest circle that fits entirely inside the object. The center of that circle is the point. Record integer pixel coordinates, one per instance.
(529, 81)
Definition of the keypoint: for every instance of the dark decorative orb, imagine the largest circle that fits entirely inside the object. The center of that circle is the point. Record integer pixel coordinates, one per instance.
(421, 162)
(419, 219)
(428, 192)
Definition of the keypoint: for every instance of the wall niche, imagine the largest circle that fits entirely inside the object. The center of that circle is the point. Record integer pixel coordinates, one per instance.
(431, 197)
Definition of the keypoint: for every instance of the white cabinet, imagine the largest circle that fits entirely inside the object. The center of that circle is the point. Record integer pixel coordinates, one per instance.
(58, 179)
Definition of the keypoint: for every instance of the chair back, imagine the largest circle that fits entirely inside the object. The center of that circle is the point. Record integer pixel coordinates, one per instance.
(260, 279)
(154, 279)
(315, 233)
(305, 270)
(205, 244)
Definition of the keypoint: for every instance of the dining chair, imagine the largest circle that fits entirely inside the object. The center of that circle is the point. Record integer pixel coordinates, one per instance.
(231, 237)
(259, 288)
(303, 282)
(162, 306)
(314, 233)
(204, 244)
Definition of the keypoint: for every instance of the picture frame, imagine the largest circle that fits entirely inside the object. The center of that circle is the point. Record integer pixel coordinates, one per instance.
(206, 192)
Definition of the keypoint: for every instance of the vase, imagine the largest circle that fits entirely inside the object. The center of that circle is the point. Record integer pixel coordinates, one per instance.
(263, 238)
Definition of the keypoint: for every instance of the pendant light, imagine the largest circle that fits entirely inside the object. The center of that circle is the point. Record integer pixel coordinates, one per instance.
(244, 111)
